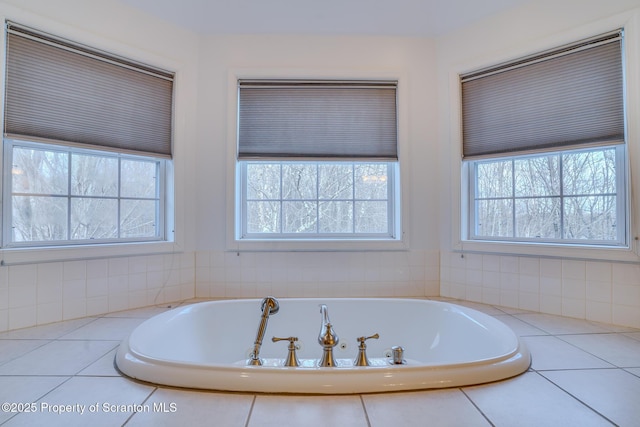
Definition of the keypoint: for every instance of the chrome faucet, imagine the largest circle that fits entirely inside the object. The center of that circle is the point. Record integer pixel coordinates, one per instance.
(269, 306)
(327, 339)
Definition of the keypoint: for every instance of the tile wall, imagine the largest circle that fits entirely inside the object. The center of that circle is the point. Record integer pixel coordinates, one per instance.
(36, 294)
(607, 292)
(314, 274)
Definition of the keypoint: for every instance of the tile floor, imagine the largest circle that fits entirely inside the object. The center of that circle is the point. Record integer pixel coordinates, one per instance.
(582, 374)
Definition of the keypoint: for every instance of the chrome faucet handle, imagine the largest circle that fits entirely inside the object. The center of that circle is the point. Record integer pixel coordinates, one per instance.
(361, 340)
(292, 359)
(361, 359)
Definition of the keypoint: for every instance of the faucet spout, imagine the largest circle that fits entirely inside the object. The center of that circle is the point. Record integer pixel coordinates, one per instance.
(327, 338)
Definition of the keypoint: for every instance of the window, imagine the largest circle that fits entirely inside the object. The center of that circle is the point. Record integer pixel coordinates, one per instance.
(317, 160)
(569, 196)
(318, 199)
(87, 142)
(544, 147)
(63, 194)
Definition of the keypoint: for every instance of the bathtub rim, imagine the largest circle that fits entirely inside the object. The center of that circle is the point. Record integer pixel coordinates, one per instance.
(266, 379)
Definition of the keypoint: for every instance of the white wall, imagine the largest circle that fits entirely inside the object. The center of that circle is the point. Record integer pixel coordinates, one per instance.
(203, 261)
(574, 283)
(360, 273)
(42, 286)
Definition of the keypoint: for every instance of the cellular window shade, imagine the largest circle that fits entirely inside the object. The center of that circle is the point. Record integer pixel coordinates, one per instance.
(568, 97)
(59, 91)
(317, 120)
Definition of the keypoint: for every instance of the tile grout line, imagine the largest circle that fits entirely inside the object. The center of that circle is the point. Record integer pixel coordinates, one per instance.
(253, 403)
(476, 406)
(364, 409)
(576, 398)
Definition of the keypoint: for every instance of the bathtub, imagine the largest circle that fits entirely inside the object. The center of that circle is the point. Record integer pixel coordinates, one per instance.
(206, 346)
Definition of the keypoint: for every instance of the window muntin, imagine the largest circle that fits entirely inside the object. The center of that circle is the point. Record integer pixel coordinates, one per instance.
(61, 195)
(313, 199)
(570, 197)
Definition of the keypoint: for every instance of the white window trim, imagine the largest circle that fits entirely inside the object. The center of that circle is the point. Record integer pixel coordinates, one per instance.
(233, 243)
(459, 175)
(175, 212)
(392, 208)
(10, 144)
(621, 192)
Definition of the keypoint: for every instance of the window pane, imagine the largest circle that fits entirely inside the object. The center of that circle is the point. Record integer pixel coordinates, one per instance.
(317, 198)
(94, 175)
(299, 217)
(336, 181)
(371, 181)
(263, 181)
(94, 218)
(299, 181)
(71, 195)
(37, 171)
(371, 217)
(590, 217)
(39, 218)
(263, 217)
(538, 218)
(494, 179)
(336, 217)
(138, 218)
(139, 179)
(537, 176)
(494, 218)
(592, 172)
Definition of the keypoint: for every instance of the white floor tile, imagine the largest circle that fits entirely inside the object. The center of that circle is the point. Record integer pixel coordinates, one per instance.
(548, 352)
(11, 349)
(634, 371)
(142, 313)
(103, 367)
(58, 358)
(47, 332)
(111, 328)
(24, 390)
(612, 392)
(308, 411)
(106, 402)
(530, 400)
(441, 408)
(557, 325)
(170, 407)
(616, 349)
(518, 326)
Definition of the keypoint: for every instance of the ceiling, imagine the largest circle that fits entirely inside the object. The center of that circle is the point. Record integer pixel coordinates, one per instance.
(428, 18)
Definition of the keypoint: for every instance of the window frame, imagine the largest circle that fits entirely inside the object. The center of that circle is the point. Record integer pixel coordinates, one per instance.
(622, 228)
(401, 241)
(175, 230)
(7, 192)
(390, 234)
(455, 192)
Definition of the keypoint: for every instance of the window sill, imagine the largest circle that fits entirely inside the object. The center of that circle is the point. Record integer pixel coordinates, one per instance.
(317, 245)
(591, 253)
(15, 256)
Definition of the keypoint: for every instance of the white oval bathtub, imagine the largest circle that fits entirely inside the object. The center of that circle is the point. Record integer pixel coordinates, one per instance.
(206, 345)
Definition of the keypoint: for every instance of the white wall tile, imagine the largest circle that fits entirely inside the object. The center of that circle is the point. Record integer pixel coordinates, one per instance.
(509, 264)
(600, 292)
(572, 269)
(628, 274)
(491, 263)
(529, 266)
(550, 267)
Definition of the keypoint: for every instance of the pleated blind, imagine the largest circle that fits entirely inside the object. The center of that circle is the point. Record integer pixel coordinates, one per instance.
(571, 96)
(311, 119)
(60, 91)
